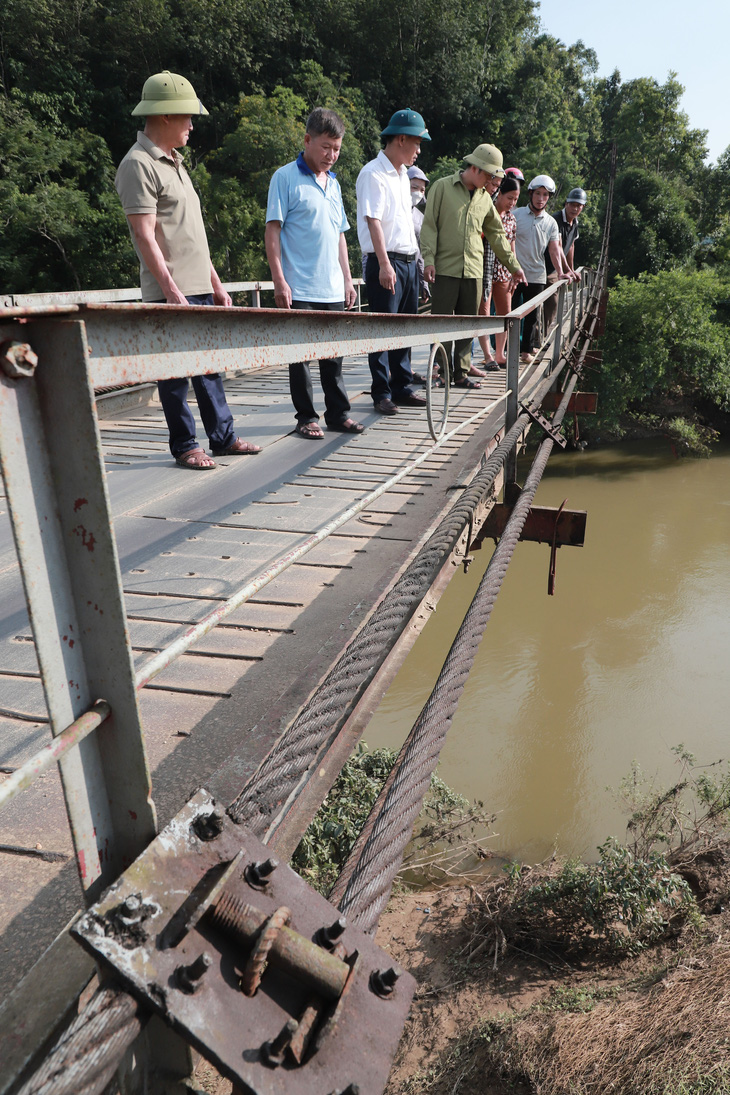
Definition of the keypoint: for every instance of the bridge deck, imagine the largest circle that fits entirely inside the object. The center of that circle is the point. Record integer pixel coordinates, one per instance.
(186, 542)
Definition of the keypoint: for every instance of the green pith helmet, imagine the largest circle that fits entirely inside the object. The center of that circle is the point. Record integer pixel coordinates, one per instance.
(487, 158)
(168, 93)
(408, 122)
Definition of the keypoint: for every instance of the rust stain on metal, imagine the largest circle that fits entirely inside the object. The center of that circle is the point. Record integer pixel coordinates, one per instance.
(87, 538)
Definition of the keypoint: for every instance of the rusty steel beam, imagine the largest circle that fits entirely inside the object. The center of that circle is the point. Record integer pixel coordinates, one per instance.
(138, 343)
(543, 524)
(579, 403)
(61, 521)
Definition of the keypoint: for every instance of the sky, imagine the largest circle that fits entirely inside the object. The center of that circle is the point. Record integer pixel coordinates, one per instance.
(650, 38)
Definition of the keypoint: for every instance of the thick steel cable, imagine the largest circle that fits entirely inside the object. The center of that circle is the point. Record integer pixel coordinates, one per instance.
(281, 770)
(365, 840)
(85, 1058)
(377, 859)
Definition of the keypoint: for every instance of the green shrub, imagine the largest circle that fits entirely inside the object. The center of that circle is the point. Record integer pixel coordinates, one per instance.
(446, 841)
(619, 904)
(663, 342)
(323, 849)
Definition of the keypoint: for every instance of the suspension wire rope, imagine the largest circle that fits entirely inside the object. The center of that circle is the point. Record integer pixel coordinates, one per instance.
(363, 888)
(86, 1056)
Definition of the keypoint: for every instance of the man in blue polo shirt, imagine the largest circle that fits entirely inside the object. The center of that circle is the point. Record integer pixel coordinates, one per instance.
(307, 253)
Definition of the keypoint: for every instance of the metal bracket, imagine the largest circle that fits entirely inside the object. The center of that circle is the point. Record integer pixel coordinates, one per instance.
(579, 402)
(241, 957)
(544, 525)
(545, 425)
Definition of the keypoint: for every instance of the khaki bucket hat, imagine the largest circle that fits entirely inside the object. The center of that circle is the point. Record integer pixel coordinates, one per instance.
(487, 158)
(168, 93)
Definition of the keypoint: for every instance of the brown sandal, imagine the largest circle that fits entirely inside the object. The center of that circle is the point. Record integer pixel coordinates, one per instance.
(238, 448)
(348, 426)
(195, 460)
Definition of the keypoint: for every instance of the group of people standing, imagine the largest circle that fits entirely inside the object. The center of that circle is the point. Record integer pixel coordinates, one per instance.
(470, 248)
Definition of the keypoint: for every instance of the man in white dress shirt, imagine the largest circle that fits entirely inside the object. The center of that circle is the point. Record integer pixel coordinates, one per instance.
(388, 241)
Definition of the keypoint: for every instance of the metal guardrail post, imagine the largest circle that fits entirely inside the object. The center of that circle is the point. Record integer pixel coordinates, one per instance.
(52, 465)
(513, 386)
(54, 475)
(560, 315)
(573, 308)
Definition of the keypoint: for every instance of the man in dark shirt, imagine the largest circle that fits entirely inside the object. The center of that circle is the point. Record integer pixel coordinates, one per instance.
(567, 222)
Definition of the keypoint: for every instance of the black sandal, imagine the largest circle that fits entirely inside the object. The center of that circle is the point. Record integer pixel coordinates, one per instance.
(348, 426)
(467, 383)
(311, 430)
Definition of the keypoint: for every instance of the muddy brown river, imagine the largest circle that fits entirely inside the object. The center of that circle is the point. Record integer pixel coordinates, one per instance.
(629, 658)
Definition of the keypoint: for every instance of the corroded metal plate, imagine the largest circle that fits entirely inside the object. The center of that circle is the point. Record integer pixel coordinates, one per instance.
(146, 947)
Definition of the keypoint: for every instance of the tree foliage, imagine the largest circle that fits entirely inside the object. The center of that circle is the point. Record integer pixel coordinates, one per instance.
(478, 70)
(652, 229)
(664, 341)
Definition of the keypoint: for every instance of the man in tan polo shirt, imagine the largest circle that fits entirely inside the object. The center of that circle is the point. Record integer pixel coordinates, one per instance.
(166, 224)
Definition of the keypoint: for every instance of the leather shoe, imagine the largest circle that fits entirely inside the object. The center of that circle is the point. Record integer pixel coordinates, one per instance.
(411, 400)
(387, 406)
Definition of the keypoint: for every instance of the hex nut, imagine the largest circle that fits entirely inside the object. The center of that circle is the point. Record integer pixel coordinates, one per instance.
(17, 359)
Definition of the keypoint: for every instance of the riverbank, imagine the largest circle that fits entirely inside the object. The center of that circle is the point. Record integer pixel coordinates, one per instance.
(536, 1020)
(689, 428)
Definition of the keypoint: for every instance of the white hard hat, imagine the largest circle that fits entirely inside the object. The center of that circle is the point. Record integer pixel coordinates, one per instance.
(542, 180)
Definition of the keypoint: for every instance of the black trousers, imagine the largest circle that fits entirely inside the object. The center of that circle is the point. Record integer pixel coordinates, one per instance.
(336, 403)
(522, 294)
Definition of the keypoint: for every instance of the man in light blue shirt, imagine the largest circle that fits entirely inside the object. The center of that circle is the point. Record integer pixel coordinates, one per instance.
(307, 253)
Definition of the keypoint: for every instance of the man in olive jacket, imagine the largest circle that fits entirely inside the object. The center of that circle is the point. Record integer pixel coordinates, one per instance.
(458, 211)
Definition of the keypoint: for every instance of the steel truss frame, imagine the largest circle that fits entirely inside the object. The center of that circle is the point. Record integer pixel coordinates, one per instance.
(52, 465)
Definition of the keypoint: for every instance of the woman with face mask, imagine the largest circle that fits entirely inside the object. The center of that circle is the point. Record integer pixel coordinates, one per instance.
(419, 182)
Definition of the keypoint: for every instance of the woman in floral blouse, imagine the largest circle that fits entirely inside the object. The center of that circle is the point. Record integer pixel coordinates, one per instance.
(502, 284)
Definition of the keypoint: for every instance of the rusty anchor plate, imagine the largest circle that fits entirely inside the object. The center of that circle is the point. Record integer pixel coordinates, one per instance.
(156, 928)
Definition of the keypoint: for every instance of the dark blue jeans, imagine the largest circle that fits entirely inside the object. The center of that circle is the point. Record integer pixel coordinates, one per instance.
(214, 410)
(391, 369)
(336, 403)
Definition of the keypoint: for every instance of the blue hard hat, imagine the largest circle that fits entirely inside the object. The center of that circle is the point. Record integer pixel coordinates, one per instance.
(409, 122)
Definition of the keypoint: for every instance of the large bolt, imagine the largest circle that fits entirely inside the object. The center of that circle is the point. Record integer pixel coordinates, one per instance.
(209, 825)
(130, 910)
(258, 874)
(328, 937)
(272, 1053)
(188, 978)
(383, 982)
(17, 359)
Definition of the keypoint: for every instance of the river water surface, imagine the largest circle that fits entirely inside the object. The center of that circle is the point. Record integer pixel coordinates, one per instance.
(629, 658)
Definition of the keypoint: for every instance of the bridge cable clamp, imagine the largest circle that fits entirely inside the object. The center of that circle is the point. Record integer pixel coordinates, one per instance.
(254, 968)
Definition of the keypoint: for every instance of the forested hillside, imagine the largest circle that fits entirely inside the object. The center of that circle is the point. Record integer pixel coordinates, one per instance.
(71, 71)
